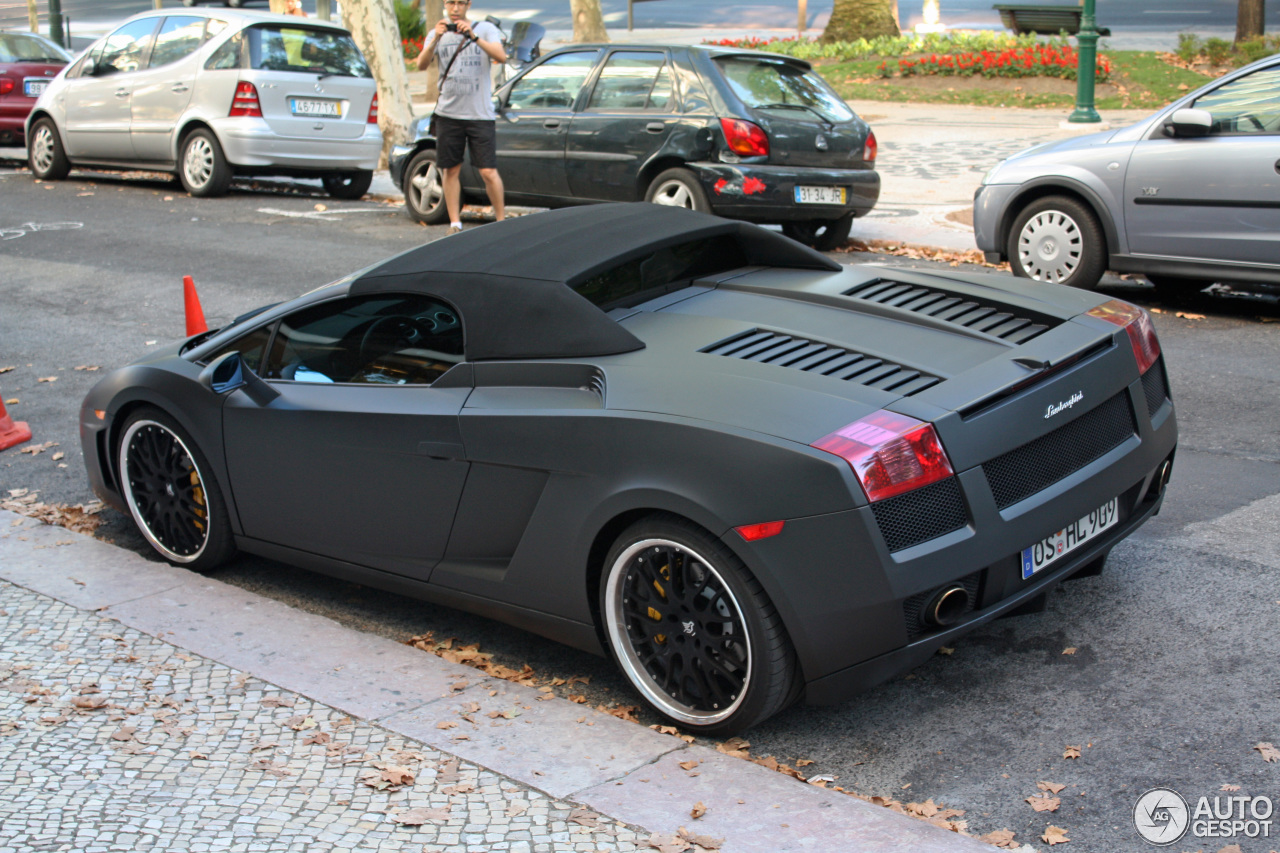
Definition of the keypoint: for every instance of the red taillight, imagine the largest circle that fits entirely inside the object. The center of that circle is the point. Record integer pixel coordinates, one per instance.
(752, 532)
(373, 110)
(890, 453)
(744, 138)
(870, 148)
(6, 85)
(245, 103)
(1137, 324)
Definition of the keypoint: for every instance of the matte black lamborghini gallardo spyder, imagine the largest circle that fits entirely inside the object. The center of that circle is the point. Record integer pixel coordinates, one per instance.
(747, 472)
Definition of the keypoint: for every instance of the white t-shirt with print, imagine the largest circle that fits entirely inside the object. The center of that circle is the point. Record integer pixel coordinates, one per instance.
(467, 92)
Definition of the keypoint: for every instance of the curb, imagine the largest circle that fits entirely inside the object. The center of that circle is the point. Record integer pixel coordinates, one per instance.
(625, 771)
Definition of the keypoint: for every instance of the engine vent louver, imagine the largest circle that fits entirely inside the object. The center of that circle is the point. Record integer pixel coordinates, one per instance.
(958, 309)
(828, 360)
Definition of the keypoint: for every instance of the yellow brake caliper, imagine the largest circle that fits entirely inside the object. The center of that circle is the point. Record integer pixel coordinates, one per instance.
(665, 571)
(198, 495)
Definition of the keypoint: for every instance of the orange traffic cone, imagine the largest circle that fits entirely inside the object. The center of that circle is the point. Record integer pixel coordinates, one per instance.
(195, 314)
(12, 433)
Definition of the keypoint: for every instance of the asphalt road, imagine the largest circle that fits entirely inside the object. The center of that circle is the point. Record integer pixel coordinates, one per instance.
(1173, 679)
(1165, 15)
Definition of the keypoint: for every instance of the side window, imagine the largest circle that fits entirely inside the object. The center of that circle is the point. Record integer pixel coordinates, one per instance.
(1250, 104)
(388, 339)
(250, 347)
(179, 36)
(553, 84)
(229, 55)
(628, 82)
(126, 48)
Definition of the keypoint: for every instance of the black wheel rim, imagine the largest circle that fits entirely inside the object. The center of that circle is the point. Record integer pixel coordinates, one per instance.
(679, 631)
(165, 491)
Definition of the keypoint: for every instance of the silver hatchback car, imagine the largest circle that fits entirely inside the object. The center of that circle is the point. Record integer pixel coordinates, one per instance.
(1186, 197)
(213, 94)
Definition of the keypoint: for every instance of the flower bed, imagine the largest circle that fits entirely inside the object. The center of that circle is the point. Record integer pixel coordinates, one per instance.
(412, 47)
(1048, 60)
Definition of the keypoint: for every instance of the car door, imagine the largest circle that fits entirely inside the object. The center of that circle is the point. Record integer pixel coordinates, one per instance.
(627, 120)
(533, 123)
(98, 102)
(1215, 197)
(162, 91)
(360, 458)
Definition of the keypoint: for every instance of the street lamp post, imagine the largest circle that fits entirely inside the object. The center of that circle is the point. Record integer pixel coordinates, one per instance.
(55, 23)
(1087, 39)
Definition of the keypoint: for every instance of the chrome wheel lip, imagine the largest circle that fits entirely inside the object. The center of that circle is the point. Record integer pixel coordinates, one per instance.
(426, 185)
(673, 194)
(630, 662)
(42, 148)
(167, 552)
(197, 162)
(1051, 246)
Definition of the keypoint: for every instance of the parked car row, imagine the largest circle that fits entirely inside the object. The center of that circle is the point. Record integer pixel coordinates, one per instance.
(28, 62)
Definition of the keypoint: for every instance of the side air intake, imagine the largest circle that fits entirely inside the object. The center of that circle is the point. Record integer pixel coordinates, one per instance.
(957, 309)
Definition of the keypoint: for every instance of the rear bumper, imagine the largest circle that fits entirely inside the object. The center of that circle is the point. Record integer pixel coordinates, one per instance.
(253, 144)
(766, 193)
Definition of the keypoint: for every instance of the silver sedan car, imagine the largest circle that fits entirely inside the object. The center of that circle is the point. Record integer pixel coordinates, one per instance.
(214, 94)
(1186, 197)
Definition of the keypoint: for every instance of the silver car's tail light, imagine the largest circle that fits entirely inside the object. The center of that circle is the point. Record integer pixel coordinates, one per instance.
(1137, 324)
(245, 102)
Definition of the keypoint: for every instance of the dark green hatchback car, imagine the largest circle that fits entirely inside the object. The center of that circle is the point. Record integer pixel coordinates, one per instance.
(742, 134)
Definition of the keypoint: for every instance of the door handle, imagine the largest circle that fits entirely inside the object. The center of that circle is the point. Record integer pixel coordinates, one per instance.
(656, 126)
(179, 87)
(551, 123)
(122, 93)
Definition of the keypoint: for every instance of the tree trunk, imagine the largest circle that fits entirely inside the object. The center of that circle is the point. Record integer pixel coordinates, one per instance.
(432, 11)
(855, 19)
(373, 24)
(588, 21)
(1249, 19)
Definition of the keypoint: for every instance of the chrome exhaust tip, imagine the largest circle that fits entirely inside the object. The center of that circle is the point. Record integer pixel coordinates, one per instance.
(947, 606)
(1162, 476)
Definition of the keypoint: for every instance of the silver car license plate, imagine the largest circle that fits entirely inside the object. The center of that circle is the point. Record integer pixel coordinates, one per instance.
(1056, 545)
(312, 107)
(819, 195)
(34, 88)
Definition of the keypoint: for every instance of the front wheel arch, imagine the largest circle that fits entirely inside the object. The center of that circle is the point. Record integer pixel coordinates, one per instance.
(1080, 193)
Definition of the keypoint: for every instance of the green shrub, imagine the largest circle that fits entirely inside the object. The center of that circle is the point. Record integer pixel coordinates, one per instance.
(1217, 50)
(1254, 49)
(890, 47)
(409, 19)
(1189, 47)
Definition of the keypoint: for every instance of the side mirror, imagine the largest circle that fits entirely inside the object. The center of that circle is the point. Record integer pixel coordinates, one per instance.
(228, 373)
(1189, 123)
(89, 68)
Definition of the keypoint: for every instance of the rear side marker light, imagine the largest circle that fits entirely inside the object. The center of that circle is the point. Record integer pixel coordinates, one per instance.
(752, 532)
(245, 102)
(745, 138)
(1137, 325)
(373, 110)
(871, 147)
(889, 453)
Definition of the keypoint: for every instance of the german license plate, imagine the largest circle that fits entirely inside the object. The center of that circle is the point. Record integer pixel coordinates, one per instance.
(820, 195)
(1057, 545)
(34, 88)
(310, 107)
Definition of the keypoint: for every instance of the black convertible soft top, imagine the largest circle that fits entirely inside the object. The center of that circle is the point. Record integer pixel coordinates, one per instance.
(513, 282)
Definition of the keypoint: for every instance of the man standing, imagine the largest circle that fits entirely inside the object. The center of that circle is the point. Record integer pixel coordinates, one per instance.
(464, 114)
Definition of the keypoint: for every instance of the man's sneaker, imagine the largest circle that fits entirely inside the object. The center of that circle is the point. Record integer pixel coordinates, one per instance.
(454, 229)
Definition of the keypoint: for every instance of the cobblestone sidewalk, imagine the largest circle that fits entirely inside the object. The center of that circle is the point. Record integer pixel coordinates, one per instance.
(113, 740)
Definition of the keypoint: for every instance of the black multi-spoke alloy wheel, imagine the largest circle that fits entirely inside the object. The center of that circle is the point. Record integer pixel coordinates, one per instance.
(171, 492)
(693, 631)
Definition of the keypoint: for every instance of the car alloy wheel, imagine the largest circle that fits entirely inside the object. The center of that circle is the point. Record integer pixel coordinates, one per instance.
(47, 159)
(204, 169)
(42, 149)
(424, 190)
(678, 188)
(673, 194)
(197, 163)
(680, 631)
(171, 493)
(165, 492)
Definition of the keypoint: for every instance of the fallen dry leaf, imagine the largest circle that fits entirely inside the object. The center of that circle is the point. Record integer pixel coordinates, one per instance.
(1231, 788)
(516, 808)
(1268, 752)
(666, 730)
(698, 810)
(47, 379)
(665, 842)
(734, 746)
(1071, 752)
(417, 817)
(318, 737)
(1001, 838)
(584, 817)
(59, 455)
(803, 762)
(460, 788)
(1070, 650)
(1044, 802)
(926, 809)
(90, 703)
(124, 733)
(706, 842)
(1187, 315)
(7, 369)
(1054, 835)
(446, 724)
(396, 774)
(1051, 787)
(946, 650)
(689, 765)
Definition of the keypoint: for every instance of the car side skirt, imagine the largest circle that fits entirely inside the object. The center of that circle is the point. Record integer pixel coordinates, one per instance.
(1197, 269)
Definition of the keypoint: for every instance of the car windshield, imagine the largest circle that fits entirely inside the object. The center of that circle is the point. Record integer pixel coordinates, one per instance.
(285, 48)
(766, 84)
(20, 48)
